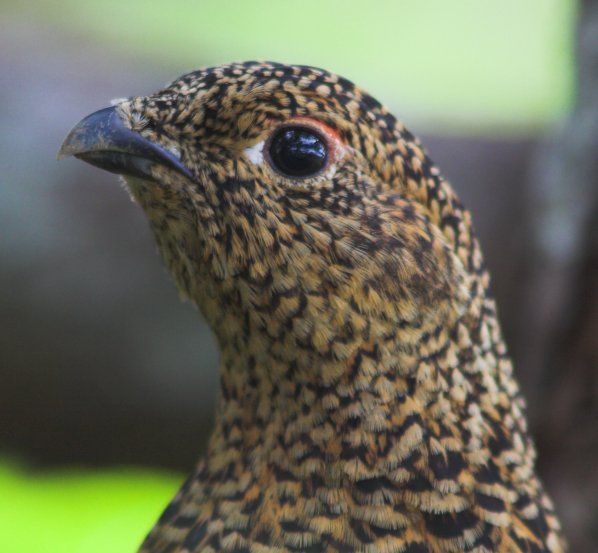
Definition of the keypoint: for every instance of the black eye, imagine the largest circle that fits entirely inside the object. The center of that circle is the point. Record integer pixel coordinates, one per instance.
(298, 151)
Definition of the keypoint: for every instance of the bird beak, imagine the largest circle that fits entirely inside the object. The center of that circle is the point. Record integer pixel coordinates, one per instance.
(101, 139)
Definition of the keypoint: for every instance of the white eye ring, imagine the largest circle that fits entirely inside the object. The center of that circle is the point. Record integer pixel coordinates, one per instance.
(255, 153)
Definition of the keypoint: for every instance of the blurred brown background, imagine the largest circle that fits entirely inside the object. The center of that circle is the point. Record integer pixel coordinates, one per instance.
(101, 364)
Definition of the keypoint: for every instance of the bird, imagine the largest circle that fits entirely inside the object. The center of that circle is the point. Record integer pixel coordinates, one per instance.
(367, 400)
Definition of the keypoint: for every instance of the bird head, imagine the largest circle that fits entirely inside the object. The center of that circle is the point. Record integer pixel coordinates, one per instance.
(293, 209)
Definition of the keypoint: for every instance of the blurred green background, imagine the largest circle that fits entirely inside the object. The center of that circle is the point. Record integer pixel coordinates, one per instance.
(107, 381)
(466, 65)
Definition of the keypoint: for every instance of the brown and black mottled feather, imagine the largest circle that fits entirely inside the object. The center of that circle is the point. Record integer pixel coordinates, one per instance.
(368, 402)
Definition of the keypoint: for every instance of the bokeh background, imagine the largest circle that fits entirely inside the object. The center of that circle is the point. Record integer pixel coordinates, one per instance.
(107, 380)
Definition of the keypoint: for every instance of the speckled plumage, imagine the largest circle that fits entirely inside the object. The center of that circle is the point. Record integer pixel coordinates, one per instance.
(367, 398)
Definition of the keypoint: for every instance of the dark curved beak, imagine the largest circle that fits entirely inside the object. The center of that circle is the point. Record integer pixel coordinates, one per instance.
(102, 140)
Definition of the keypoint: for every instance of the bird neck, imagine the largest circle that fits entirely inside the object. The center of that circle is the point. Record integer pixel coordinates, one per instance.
(381, 408)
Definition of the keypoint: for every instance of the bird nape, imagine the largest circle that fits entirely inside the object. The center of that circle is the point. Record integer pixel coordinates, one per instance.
(367, 399)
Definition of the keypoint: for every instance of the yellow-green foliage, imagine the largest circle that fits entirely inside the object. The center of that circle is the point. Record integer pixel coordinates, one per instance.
(80, 511)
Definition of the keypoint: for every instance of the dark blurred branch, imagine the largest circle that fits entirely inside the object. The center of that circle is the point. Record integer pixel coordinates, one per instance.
(561, 316)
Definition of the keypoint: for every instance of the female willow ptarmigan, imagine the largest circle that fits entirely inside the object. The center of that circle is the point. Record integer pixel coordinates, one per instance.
(367, 399)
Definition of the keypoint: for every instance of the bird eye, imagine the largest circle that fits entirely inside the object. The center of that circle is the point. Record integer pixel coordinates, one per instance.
(298, 151)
